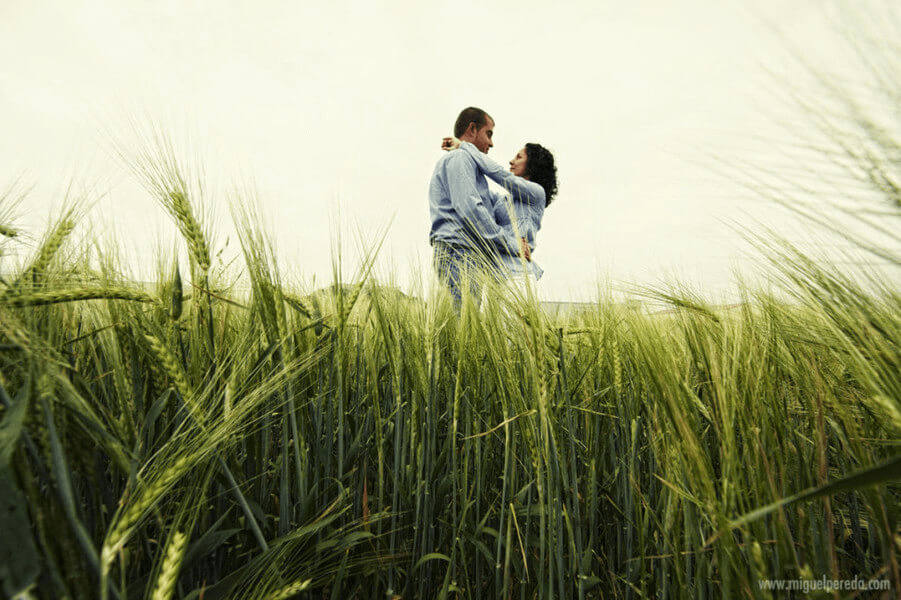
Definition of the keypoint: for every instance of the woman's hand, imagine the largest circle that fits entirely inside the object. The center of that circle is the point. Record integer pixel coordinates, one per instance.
(450, 143)
(524, 249)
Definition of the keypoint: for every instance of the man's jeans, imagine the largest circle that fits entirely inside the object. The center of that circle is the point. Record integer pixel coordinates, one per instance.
(461, 268)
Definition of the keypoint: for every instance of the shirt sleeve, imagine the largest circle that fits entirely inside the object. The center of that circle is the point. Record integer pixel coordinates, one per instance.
(519, 218)
(468, 204)
(526, 228)
(521, 190)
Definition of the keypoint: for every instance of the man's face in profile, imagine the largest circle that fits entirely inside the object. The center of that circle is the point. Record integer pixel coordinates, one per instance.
(483, 136)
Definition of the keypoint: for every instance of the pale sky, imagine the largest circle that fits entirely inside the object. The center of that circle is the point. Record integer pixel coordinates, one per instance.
(333, 113)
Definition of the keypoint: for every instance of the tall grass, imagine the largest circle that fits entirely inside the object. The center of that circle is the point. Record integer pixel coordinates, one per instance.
(357, 442)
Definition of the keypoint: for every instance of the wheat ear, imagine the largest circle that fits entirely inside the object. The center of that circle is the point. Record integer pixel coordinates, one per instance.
(175, 551)
(288, 591)
(14, 300)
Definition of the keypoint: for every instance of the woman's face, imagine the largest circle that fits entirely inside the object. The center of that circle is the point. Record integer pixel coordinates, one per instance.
(518, 164)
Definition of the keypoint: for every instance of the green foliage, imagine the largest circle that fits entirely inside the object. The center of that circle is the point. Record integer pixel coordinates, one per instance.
(18, 556)
(359, 442)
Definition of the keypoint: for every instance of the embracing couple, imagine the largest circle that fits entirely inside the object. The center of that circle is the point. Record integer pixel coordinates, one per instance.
(477, 231)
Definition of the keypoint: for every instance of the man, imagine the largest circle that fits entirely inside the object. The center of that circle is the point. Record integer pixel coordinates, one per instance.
(466, 239)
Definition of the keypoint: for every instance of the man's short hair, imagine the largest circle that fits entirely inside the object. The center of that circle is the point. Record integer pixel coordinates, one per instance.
(470, 115)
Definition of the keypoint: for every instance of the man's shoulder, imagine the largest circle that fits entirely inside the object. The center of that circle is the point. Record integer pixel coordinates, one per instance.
(457, 159)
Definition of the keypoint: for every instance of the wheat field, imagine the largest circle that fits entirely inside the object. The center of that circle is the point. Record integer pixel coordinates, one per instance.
(189, 440)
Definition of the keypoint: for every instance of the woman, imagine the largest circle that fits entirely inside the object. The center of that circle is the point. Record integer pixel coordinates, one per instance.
(531, 183)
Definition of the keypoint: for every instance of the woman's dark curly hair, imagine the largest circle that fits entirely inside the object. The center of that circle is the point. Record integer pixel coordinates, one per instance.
(540, 169)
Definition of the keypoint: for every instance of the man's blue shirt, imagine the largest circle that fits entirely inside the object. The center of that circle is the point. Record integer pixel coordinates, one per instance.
(462, 207)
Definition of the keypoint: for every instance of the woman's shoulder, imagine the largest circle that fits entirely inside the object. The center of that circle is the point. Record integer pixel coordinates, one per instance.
(523, 191)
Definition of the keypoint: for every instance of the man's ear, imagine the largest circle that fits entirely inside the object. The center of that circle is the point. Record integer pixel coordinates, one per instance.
(471, 129)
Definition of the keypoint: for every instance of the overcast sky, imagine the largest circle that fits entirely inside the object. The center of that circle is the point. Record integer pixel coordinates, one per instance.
(333, 113)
